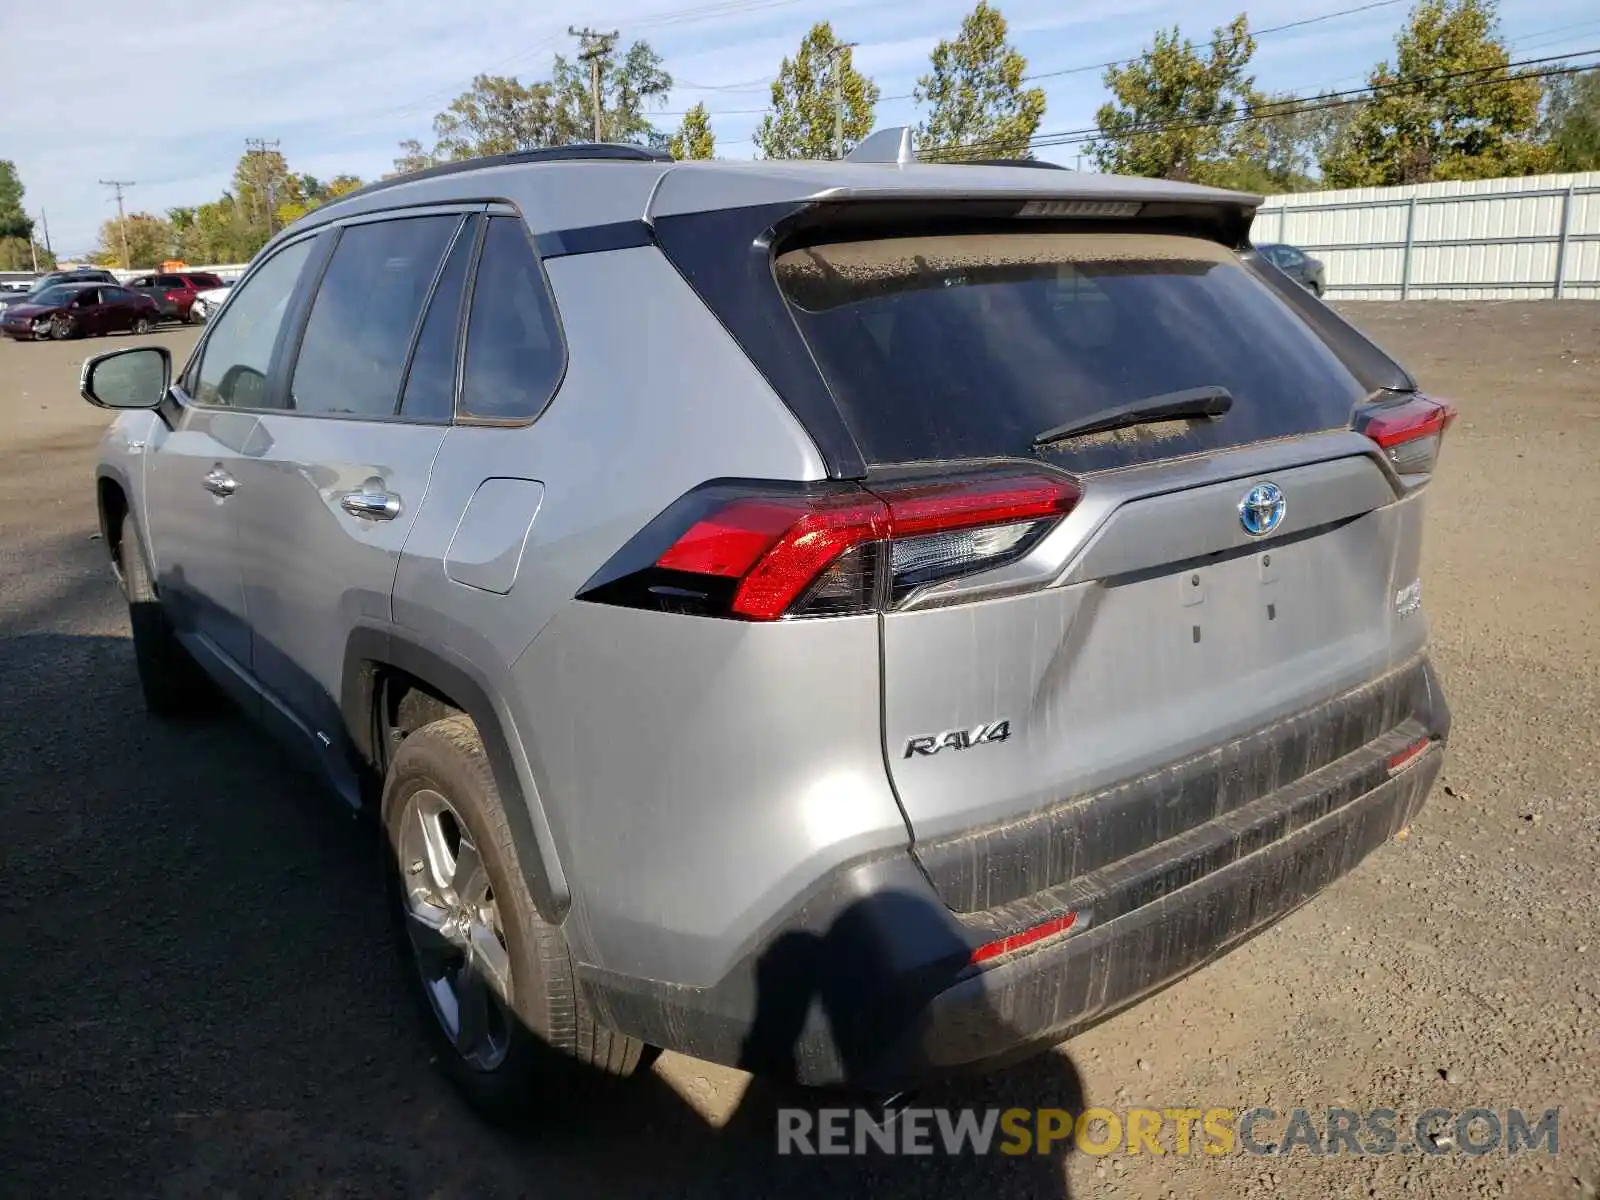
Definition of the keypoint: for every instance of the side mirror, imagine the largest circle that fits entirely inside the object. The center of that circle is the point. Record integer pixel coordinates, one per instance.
(134, 378)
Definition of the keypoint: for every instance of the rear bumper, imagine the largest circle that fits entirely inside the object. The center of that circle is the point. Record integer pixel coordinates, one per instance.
(868, 981)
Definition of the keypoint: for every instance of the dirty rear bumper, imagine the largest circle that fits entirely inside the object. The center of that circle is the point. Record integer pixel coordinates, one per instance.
(869, 981)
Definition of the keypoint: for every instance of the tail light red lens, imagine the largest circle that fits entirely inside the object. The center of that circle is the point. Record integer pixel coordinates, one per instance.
(1410, 431)
(760, 555)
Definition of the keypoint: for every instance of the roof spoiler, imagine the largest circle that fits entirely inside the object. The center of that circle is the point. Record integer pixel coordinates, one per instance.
(891, 145)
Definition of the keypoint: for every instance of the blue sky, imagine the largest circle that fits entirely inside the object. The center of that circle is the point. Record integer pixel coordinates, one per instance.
(165, 92)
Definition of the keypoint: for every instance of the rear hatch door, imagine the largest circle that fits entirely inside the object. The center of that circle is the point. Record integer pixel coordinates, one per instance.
(1219, 573)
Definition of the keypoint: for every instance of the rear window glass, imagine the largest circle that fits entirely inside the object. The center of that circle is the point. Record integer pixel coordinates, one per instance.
(971, 345)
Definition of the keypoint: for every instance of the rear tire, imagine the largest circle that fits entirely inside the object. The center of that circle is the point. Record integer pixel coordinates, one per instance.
(172, 682)
(441, 809)
(142, 325)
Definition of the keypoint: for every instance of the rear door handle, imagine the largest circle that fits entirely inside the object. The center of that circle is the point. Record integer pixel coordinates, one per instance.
(219, 483)
(371, 503)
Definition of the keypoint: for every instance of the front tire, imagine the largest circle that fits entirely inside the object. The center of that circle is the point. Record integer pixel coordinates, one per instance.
(495, 982)
(172, 682)
(63, 327)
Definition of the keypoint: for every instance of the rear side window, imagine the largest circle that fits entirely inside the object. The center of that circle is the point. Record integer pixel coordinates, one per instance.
(365, 314)
(970, 346)
(515, 356)
(169, 281)
(430, 393)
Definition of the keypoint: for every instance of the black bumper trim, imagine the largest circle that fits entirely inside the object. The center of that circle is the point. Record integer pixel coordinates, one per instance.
(981, 870)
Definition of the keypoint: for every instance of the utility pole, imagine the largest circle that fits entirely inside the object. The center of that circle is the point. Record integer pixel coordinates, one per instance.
(257, 148)
(45, 221)
(122, 220)
(838, 95)
(596, 48)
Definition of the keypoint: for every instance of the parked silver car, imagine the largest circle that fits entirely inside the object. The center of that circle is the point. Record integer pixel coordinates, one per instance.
(849, 620)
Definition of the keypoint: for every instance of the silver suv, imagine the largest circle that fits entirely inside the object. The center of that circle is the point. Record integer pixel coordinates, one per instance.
(848, 620)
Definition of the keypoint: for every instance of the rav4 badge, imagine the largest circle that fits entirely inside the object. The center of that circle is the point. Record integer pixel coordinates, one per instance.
(959, 739)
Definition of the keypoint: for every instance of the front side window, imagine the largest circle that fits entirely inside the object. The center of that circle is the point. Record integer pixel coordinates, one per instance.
(367, 309)
(515, 356)
(233, 365)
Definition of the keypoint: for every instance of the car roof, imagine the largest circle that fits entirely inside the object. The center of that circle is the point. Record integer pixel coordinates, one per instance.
(577, 187)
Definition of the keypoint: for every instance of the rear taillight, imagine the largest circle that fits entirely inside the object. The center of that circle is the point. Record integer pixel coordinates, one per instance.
(759, 554)
(1410, 431)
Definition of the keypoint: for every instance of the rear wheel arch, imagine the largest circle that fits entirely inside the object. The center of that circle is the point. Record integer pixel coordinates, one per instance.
(392, 686)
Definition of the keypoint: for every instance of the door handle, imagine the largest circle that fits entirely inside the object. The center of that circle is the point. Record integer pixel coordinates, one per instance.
(219, 483)
(371, 503)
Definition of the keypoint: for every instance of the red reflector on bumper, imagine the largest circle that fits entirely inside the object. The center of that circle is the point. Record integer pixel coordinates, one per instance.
(1026, 938)
(1410, 754)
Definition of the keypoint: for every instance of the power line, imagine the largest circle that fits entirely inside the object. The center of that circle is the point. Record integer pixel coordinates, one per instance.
(1293, 107)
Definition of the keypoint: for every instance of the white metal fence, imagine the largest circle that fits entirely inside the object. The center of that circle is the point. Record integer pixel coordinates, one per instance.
(1532, 238)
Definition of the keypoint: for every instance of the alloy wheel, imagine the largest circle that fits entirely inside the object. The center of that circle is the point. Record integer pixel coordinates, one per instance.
(453, 922)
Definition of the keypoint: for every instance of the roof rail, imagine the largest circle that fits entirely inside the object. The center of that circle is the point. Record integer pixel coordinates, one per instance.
(891, 145)
(1010, 162)
(575, 152)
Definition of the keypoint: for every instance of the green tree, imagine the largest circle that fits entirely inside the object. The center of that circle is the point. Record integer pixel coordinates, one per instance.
(1449, 108)
(219, 232)
(1572, 121)
(1176, 113)
(801, 123)
(694, 138)
(979, 107)
(412, 158)
(151, 240)
(19, 254)
(14, 219)
(629, 85)
(497, 115)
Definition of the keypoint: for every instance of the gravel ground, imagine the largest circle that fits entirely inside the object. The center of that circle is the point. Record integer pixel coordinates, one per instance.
(197, 988)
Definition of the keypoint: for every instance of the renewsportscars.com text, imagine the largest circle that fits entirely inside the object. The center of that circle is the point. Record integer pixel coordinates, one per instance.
(1177, 1130)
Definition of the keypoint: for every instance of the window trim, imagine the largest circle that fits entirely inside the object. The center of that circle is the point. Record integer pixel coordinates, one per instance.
(462, 417)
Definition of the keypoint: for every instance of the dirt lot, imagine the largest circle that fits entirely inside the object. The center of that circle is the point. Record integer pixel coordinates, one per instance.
(197, 993)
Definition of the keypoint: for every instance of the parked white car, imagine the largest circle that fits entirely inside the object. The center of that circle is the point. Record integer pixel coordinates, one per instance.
(207, 302)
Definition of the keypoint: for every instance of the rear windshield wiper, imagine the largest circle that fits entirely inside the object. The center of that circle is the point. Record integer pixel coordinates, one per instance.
(1192, 402)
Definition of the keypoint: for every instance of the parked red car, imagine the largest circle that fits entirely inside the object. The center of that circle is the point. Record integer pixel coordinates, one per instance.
(174, 293)
(72, 310)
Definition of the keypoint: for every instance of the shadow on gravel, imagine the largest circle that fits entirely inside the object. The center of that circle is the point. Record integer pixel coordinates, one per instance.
(200, 995)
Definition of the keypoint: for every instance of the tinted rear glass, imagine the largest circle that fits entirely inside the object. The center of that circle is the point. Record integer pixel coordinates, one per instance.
(971, 345)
